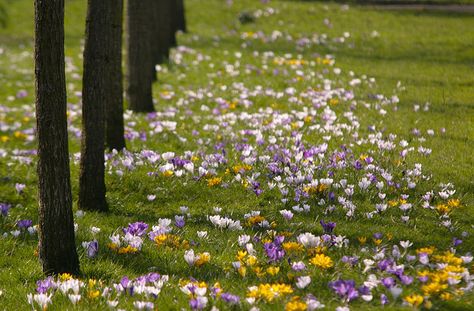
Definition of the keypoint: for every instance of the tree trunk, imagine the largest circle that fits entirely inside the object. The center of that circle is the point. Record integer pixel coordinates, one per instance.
(114, 102)
(161, 30)
(140, 55)
(181, 16)
(57, 248)
(173, 14)
(97, 82)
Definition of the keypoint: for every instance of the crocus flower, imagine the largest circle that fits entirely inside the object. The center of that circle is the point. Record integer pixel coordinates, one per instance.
(42, 286)
(198, 303)
(351, 260)
(74, 298)
(230, 299)
(303, 281)
(179, 221)
(288, 215)
(388, 282)
(328, 227)
(274, 250)
(143, 305)
(345, 289)
(137, 228)
(383, 299)
(19, 188)
(125, 282)
(42, 300)
(406, 279)
(25, 223)
(4, 208)
(92, 248)
(21, 94)
(298, 266)
(456, 242)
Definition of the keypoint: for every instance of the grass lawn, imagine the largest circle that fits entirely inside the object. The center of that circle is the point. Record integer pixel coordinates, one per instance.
(307, 91)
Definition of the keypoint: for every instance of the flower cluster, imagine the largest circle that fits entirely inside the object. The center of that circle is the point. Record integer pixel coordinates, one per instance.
(143, 290)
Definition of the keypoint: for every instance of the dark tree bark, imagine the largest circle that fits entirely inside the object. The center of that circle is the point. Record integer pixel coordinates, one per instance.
(97, 81)
(140, 55)
(57, 248)
(158, 56)
(181, 16)
(161, 31)
(114, 102)
(172, 16)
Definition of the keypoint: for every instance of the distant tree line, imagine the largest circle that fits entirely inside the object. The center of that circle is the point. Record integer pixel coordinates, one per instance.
(151, 32)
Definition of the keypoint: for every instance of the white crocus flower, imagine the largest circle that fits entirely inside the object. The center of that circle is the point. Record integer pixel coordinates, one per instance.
(202, 234)
(74, 298)
(189, 257)
(406, 244)
(303, 281)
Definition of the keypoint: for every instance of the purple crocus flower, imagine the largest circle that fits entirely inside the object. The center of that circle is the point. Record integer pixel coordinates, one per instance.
(137, 228)
(24, 223)
(231, 299)
(383, 299)
(21, 94)
(351, 260)
(125, 282)
(406, 279)
(364, 290)
(198, 303)
(385, 264)
(388, 282)
(214, 291)
(345, 289)
(378, 236)
(327, 239)
(328, 227)
(42, 286)
(456, 242)
(4, 208)
(423, 258)
(274, 250)
(288, 215)
(152, 277)
(179, 221)
(127, 285)
(256, 188)
(92, 248)
(423, 279)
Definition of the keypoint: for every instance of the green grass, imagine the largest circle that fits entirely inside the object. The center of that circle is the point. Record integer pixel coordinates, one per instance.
(430, 54)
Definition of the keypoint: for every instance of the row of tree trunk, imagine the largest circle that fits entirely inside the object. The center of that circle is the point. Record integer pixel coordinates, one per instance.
(152, 25)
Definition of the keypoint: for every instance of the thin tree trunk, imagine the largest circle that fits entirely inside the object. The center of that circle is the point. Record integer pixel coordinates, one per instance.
(97, 67)
(140, 55)
(181, 16)
(114, 102)
(57, 248)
